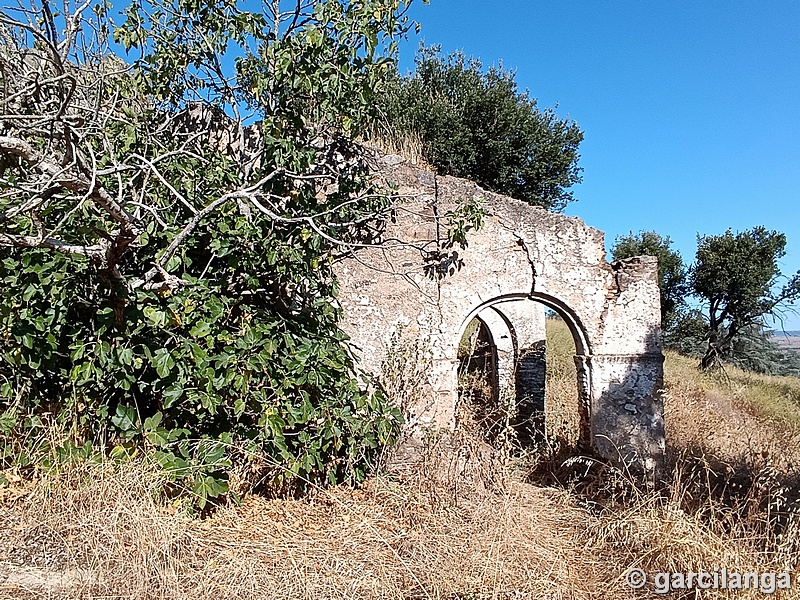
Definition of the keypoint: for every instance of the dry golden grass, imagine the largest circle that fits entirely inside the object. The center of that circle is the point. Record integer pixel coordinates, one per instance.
(97, 531)
(106, 531)
(658, 536)
(769, 397)
(561, 401)
(408, 145)
(100, 533)
(737, 417)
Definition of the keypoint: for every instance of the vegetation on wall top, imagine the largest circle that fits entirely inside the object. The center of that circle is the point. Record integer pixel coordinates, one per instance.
(476, 123)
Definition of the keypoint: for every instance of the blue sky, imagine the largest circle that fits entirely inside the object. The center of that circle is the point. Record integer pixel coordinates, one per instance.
(691, 110)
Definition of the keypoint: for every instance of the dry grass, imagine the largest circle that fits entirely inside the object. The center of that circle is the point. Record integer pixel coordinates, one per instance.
(455, 527)
(658, 536)
(768, 397)
(561, 401)
(737, 417)
(406, 144)
(99, 533)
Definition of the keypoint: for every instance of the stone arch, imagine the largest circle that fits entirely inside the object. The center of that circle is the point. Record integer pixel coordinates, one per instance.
(500, 322)
(429, 289)
(576, 327)
(504, 347)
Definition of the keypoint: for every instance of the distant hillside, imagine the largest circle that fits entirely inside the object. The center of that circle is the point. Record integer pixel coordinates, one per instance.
(787, 339)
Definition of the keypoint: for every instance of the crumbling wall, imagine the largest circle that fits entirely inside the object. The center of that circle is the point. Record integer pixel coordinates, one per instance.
(419, 289)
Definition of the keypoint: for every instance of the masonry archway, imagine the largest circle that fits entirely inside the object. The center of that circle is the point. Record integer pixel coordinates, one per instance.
(430, 290)
(516, 327)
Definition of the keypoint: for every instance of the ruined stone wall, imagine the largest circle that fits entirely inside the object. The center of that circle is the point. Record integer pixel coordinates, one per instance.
(399, 291)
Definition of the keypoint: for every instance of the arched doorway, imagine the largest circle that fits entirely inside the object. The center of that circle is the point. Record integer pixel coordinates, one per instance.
(517, 356)
(486, 354)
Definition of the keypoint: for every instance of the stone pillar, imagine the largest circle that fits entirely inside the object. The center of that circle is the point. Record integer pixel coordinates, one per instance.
(530, 371)
(530, 380)
(503, 342)
(628, 411)
(584, 371)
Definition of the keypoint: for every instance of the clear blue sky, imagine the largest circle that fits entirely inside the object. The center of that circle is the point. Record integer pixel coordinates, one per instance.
(691, 109)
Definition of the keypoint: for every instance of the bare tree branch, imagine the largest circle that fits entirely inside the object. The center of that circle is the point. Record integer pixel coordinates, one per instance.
(88, 156)
(74, 183)
(24, 241)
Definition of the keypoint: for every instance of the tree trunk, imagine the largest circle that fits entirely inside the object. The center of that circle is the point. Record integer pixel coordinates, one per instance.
(710, 358)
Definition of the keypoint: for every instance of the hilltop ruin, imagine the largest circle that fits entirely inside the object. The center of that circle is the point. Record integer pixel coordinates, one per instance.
(522, 259)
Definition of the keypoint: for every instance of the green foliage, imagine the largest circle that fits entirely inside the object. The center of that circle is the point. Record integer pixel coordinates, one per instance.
(754, 349)
(477, 124)
(689, 333)
(317, 64)
(735, 275)
(671, 271)
(467, 216)
(188, 369)
(198, 320)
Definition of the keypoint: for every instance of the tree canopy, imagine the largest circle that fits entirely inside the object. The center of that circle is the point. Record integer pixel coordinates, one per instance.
(475, 123)
(168, 224)
(736, 279)
(736, 275)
